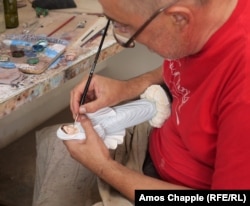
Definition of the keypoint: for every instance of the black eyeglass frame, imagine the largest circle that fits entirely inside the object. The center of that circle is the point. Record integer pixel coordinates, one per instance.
(131, 41)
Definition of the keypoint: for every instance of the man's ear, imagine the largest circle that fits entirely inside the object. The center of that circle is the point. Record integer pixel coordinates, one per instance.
(180, 16)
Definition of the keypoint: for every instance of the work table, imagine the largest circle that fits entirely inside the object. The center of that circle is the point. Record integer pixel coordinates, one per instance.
(34, 86)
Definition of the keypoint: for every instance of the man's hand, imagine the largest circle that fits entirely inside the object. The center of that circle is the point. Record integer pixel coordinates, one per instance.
(102, 92)
(105, 92)
(91, 152)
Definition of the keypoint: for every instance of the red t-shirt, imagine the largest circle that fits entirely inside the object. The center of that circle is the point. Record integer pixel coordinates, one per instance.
(205, 144)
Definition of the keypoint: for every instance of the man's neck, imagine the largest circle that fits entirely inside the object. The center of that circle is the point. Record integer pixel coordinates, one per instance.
(216, 14)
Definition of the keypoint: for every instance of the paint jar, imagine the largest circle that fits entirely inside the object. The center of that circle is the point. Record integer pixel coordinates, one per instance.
(17, 51)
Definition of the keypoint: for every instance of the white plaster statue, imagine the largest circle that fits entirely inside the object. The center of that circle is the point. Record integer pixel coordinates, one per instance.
(110, 122)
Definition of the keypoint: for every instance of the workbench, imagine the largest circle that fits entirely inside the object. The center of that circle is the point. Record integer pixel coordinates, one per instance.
(17, 111)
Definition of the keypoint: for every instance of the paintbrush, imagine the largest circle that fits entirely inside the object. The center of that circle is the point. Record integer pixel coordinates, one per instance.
(62, 25)
(84, 94)
(99, 33)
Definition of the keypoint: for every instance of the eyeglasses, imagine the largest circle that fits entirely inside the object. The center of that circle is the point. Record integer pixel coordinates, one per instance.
(122, 34)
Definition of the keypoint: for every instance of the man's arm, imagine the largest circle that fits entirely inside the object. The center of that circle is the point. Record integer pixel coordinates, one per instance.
(105, 92)
(139, 84)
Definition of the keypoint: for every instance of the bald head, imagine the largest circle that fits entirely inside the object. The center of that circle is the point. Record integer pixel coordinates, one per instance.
(149, 6)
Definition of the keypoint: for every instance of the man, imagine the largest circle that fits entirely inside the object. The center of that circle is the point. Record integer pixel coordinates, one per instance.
(205, 142)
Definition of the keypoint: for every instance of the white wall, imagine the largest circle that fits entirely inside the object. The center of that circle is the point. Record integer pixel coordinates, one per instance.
(128, 63)
(131, 62)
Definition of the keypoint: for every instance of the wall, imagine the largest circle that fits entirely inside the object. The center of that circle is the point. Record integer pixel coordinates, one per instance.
(132, 62)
